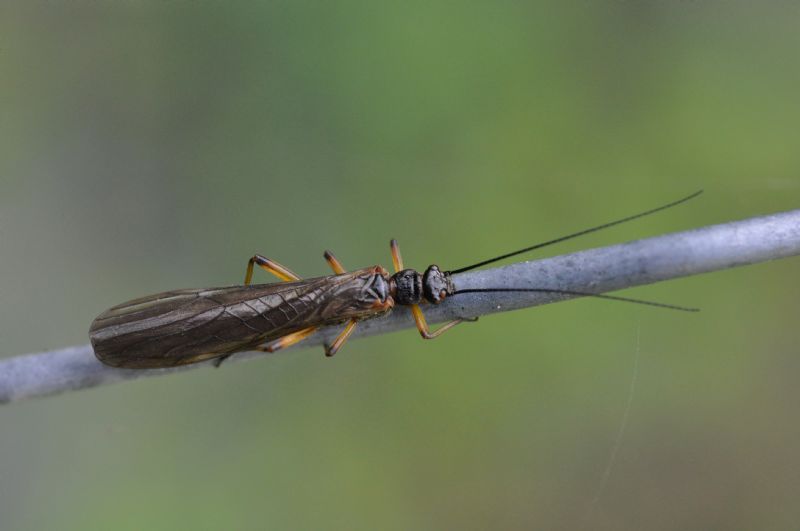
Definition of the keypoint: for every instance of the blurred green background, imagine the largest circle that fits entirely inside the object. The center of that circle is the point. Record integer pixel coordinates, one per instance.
(146, 146)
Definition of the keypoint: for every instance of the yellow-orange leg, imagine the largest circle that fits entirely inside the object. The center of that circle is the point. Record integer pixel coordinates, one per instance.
(270, 266)
(335, 264)
(331, 349)
(288, 340)
(397, 259)
(340, 340)
(422, 325)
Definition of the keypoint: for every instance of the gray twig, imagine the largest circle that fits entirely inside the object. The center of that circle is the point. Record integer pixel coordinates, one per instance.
(592, 271)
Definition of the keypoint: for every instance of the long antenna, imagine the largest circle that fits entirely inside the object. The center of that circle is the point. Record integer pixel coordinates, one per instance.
(580, 294)
(576, 234)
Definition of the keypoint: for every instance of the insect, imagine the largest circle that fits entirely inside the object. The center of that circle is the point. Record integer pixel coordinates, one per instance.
(193, 325)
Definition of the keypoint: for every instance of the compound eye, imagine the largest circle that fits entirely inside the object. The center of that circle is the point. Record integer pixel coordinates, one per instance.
(442, 295)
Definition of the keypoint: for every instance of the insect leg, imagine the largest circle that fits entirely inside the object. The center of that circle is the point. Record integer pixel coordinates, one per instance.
(288, 340)
(397, 259)
(341, 338)
(335, 264)
(218, 361)
(270, 266)
(422, 325)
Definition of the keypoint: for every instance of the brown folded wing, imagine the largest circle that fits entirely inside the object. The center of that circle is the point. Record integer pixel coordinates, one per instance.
(191, 325)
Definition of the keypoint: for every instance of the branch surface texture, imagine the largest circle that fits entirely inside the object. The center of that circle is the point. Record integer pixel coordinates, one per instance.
(593, 271)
